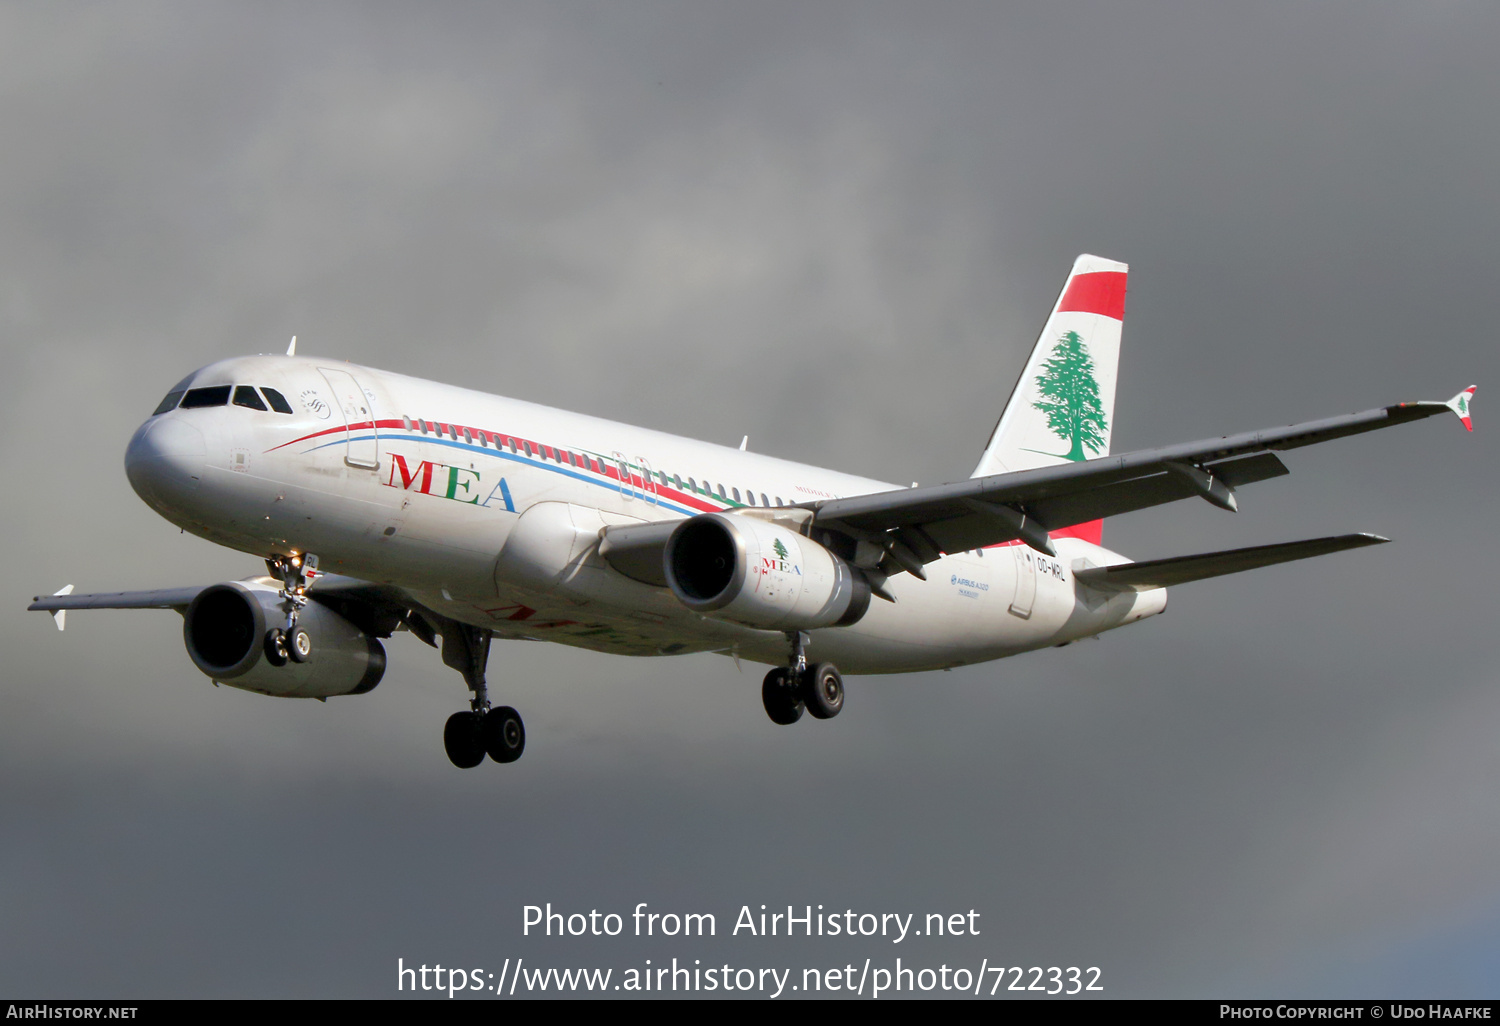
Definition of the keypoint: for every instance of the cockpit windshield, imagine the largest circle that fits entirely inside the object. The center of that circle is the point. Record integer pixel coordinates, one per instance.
(213, 395)
(246, 396)
(169, 403)
(218, 395)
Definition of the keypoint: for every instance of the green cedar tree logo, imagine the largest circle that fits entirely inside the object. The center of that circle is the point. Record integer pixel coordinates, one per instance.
(779, 549)
(1070, 397)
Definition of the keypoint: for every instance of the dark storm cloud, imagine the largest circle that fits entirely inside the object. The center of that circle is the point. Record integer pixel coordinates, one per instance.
(835, 228)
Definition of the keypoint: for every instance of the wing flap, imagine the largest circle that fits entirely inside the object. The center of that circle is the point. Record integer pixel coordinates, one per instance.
(1163, 573)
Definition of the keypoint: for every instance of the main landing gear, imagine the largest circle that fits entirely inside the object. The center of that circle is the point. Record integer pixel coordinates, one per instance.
(296, 575)
(469, 736)
(788, 690)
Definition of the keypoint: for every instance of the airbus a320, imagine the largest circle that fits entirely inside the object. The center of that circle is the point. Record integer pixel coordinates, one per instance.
(383, 503)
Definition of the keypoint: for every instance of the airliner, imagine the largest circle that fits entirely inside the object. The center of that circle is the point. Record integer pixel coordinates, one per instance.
(384, 503)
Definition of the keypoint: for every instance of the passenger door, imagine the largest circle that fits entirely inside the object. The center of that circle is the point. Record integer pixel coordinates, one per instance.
(360, 434)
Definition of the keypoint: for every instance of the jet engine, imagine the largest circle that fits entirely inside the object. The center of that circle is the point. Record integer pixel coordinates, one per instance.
(225, 629)
(761, 574)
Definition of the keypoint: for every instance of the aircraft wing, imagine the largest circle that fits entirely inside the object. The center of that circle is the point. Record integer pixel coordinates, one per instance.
(357, 600)
(916, 525)
(164, 598)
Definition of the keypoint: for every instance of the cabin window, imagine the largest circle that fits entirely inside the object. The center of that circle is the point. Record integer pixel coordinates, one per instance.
(527, 447)
(169, 403)
(453, 432)
(736, 492)
(721, 492)
(512, 442)
(692, 485)
(197, 398)
(779, 502)
(763, 500)
(468, 437)
(677, 481)
(406, 422)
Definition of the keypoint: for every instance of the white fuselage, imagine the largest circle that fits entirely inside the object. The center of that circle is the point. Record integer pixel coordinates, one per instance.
(488, 510)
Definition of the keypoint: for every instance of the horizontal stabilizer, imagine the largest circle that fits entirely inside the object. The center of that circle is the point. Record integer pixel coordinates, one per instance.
(1162, 573)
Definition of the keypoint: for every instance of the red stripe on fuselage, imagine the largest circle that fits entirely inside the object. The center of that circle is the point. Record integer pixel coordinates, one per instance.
(1099, 292)
(544, 453)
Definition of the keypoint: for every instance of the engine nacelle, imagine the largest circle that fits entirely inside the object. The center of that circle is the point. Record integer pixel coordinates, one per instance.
(225, 630)
(760, 574)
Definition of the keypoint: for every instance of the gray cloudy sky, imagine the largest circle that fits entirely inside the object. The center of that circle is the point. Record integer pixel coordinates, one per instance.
(835, 227)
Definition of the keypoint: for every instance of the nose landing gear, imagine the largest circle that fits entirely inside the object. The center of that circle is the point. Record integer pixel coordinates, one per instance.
(296, 574)
(469, 736)
(788, 690)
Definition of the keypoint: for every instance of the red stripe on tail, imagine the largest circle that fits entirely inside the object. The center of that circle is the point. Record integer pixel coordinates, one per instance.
(1091, 531)
(1099, 292)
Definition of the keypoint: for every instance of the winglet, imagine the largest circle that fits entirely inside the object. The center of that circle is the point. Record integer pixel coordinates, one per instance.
(61, 615)
(291, 350)
(1459, 404)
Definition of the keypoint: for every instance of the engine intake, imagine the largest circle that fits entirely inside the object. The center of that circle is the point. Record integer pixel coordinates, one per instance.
(761, 574)
(225, 628)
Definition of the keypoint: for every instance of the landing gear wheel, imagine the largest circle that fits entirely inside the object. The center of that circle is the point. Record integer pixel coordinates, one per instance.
(823, 690)
(275, 647)
(463, 739)
(504, 734)
(779, 694)
(299, 646)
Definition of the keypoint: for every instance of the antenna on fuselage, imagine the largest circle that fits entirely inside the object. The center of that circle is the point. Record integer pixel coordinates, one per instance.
(291, 350)
(744, 442)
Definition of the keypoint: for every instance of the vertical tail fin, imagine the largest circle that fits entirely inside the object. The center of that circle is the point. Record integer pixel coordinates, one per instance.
(1063, 407)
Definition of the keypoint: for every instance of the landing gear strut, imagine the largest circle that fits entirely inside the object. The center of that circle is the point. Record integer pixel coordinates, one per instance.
(469, 736)
(296, 575)
(788, 690)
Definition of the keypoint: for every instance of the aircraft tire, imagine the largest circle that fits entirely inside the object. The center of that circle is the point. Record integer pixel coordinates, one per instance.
(504, 734)
(299, 647)
(783, 703)
(463, 739)
(275, 647)
(823, 690)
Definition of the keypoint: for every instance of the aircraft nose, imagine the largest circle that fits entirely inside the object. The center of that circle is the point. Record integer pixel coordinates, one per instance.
(165, 460)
